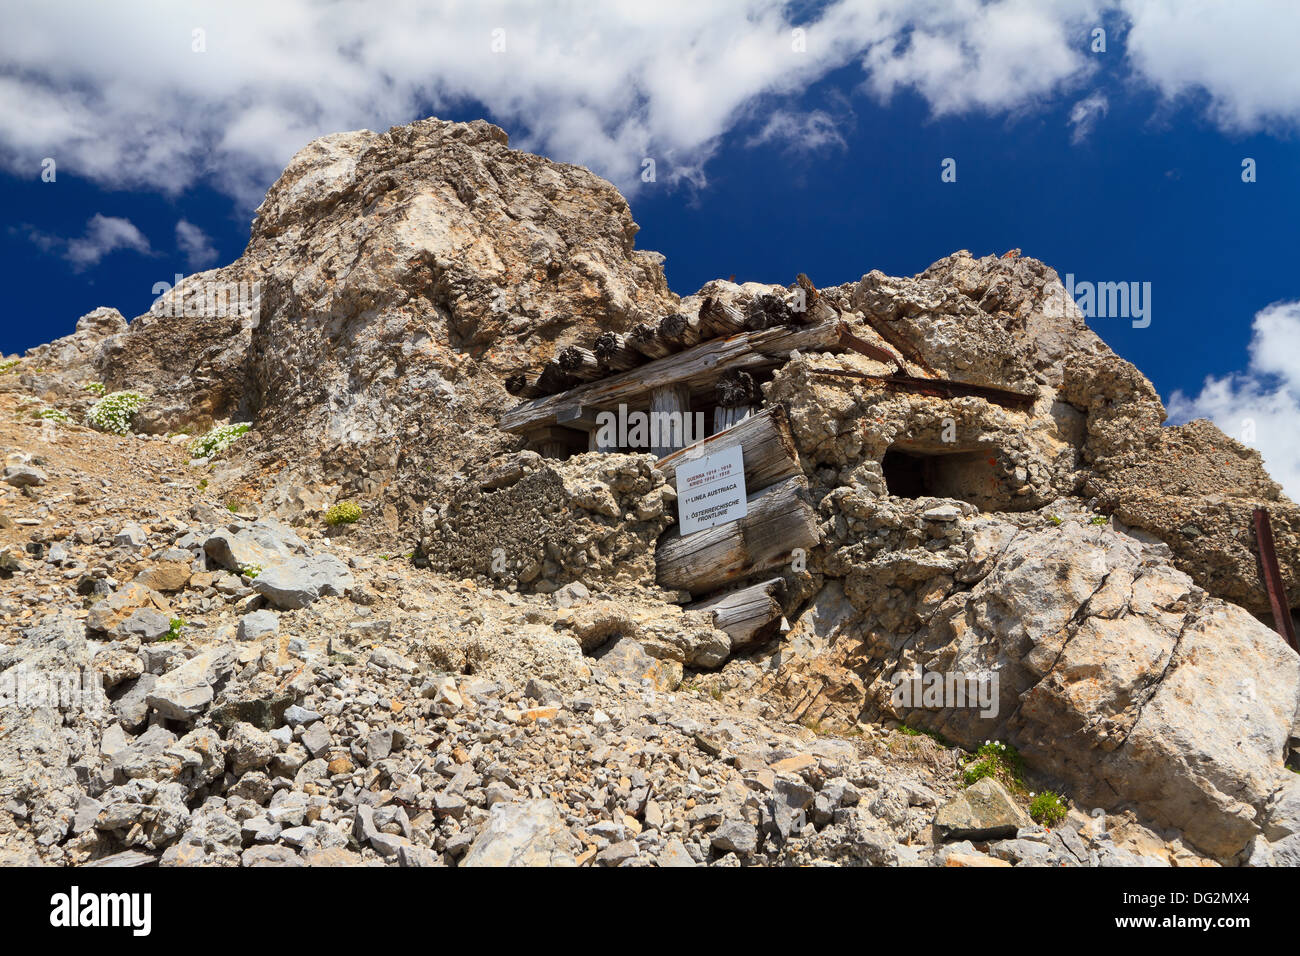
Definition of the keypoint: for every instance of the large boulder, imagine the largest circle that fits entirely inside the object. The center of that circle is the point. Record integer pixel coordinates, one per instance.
(1122, 678)
(531, 833)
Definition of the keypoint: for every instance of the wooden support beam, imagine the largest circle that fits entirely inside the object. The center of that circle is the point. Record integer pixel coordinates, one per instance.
(816, 309)
(554, 379)
(644, 337)
(767, 311)
(681, 331)
(698, 368)
(672, 406)
(736, 389)
(614, 354)
(720, 319)
(780, 519)
(580, 363)
(724, 418)
(765, 442)
(524, 384)
(750, 615)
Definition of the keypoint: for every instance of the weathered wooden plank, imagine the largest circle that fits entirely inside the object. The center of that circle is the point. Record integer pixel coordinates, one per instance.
(680, 330)
(614, 354)
(580, 363)
(724, 418)
(748, 615)
(697, 368)
(644, 337)
(554, 379)
(780, 519)
(718, 318)
(672, 404)
(765, 440)
(524, 384)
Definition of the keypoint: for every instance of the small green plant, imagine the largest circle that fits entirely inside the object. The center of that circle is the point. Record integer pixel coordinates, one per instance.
(345, 512)
(1047, 808)
(934, 735)
(1100, 519)
(218, 440)
(250, 571)
(996, 760)
(113, 413)
(95, 388)
(174, 631)
(53, 415)
(8, 365)
(234, 505)
(203, 485)
(1055, 519)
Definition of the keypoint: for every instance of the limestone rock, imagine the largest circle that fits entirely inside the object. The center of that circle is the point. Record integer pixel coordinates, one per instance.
(531, 833)
(983, 811)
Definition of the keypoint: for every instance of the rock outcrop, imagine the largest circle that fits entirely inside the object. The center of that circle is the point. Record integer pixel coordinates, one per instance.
(1098, 564)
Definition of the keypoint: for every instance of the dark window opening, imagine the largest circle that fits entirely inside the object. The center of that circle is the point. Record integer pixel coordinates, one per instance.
(972, 475)
(905, 474)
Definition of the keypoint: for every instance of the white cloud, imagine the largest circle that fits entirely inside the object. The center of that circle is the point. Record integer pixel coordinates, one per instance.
(104, 234)
(115, 92)
(194, 242)
(800, 132)
(1085, 115)
(1241, 55)
(1261, 405)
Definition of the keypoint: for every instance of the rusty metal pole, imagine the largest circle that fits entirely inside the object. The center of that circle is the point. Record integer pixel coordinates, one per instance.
(1273, 577)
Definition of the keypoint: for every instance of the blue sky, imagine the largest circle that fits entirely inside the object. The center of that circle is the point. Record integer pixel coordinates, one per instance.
(772, 158)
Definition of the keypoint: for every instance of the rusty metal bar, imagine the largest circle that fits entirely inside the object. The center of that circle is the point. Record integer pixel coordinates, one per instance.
(1273, 577)
(939, 387)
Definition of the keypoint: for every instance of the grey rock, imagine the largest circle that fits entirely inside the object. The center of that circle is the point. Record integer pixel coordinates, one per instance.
(296, 715)
(299, 582)
(145, 623)
(735, 836)
(531, 833)
(316, 738)
(983, 811)
(186, 691)
(24, 476)
(258, 624)
(131, 536)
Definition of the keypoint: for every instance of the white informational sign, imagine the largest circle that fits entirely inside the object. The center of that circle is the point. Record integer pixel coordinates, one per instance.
(711, 490)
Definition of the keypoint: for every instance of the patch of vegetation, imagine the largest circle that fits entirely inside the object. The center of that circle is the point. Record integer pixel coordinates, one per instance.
(234, 504)
(113, 413)
(53, 415)
(999, 761)
(934, 735)
(174, 631)
(1055, 519)
(218, 440)
(95, 388)
(345, 512)
(1047, 809)
(250, 571)
(203, 485)
(8, 365)
(1100, 519)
